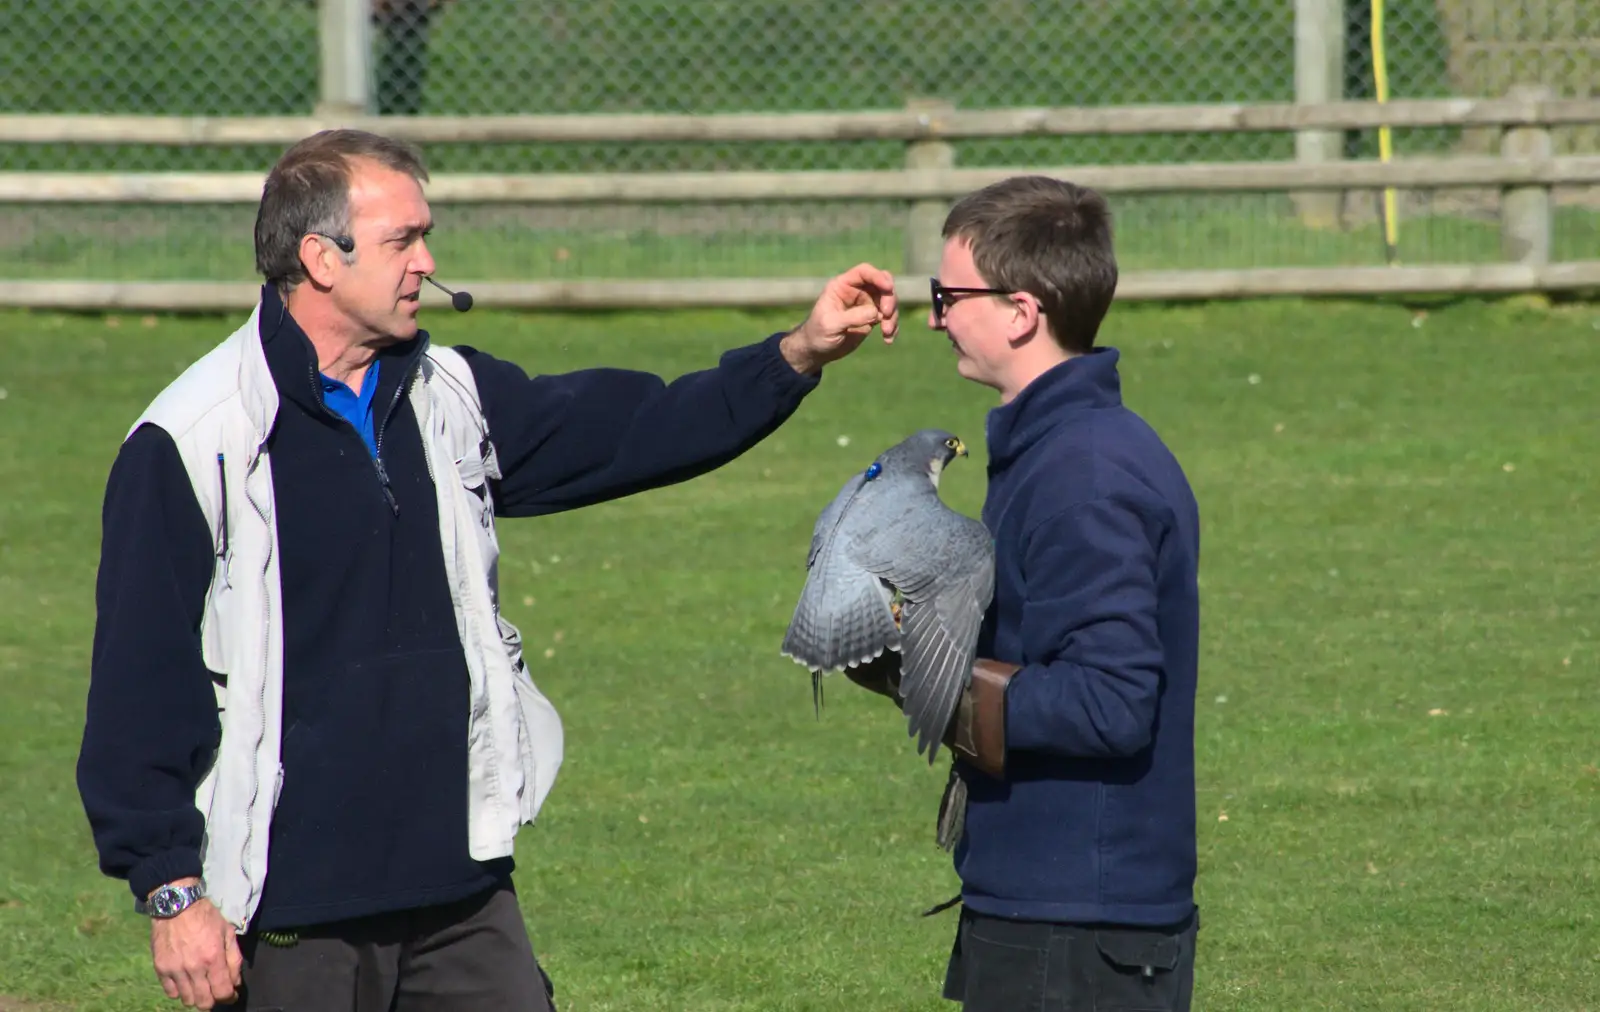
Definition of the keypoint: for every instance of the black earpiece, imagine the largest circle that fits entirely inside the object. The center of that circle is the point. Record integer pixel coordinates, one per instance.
(344, 242)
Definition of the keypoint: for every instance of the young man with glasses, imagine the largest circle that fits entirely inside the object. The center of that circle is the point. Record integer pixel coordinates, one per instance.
(1075, 754)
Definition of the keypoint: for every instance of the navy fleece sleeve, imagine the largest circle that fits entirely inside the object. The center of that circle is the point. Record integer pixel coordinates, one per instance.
(584, 437)
(1090, 617)
(152, 715)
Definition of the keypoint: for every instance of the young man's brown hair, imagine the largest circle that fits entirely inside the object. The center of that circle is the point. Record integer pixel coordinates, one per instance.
(1049, 238)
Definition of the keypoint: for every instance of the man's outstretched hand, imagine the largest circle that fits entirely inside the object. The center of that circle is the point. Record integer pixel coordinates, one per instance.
(851, 304)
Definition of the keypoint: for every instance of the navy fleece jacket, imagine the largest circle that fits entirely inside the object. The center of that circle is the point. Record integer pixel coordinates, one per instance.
(373, 814)
(1097, 539)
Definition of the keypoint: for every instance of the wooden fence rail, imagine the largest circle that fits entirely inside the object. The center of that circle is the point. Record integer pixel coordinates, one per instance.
(888, 184)
(896, 124)
(1525, 174)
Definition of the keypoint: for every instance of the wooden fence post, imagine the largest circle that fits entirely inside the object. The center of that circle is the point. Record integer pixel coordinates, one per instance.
(344, 29)
(1318, 77)
(925, 220)
(1525, 221)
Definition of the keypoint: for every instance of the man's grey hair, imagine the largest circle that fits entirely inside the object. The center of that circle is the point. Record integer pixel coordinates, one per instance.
(308, 190)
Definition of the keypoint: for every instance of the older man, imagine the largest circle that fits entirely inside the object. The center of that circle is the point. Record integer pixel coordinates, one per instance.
(298, 646)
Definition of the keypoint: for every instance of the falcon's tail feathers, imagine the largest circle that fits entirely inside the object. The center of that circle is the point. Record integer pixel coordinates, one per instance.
(843, 619)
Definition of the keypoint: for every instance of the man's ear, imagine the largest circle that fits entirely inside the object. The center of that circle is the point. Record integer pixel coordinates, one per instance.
(319, 259)
(1025, 318)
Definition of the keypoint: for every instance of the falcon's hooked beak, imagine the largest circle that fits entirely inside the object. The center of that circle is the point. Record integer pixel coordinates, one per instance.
(960, 448)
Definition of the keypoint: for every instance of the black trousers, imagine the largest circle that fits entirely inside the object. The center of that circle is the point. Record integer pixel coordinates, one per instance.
(1032, 966)
(458, 957)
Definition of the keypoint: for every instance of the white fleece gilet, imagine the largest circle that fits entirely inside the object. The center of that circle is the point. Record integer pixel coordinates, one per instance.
(219, 413)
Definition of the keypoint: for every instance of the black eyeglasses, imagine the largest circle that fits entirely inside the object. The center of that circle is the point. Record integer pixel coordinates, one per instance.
(942, 300)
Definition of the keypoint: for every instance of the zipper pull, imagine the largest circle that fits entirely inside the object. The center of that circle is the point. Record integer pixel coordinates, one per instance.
(383, 478)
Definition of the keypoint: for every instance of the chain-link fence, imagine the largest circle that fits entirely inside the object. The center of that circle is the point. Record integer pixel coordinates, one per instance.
(476, 57)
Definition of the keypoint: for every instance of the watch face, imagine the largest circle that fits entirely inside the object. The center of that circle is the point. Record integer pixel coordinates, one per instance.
(165, 902)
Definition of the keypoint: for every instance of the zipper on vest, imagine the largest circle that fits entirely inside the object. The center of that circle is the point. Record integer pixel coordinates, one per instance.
(222, 488)
(377, 443)
(222, 549)
(266, 674)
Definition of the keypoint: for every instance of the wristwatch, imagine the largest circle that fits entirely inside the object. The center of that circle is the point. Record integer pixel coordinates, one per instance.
(169, 901)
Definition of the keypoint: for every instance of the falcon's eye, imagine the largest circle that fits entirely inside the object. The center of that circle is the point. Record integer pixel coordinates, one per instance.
(951, 443)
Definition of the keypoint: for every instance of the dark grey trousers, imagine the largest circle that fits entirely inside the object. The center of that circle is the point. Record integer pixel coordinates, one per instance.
(471, 955)
(1031, 966)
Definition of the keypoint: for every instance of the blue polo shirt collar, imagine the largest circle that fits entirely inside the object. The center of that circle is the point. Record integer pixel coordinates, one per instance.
(355, 408)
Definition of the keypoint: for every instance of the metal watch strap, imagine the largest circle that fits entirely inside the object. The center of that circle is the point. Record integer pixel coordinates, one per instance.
(169, 901)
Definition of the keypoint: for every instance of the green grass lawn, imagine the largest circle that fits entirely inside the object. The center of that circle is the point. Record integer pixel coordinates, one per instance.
(1399, 721)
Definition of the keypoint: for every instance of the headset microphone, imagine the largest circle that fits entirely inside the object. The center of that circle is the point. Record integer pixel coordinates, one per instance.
(461, 300)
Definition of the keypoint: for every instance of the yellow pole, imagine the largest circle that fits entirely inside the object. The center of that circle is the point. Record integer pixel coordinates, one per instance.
(1380, 73)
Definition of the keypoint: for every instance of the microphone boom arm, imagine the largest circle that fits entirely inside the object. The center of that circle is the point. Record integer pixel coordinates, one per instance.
(461, 300)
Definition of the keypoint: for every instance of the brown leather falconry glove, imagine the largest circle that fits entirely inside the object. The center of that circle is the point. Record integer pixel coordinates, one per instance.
(977, 732)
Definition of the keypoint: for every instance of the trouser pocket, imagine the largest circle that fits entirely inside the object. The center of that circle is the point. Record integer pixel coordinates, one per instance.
(1142, 969)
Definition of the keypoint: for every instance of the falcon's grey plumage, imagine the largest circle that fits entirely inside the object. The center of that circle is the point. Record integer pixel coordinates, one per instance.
(887, 533)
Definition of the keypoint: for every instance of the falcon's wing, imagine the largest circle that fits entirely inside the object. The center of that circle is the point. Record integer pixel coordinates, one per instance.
(828, 519)
(945, 570)
(843, 616)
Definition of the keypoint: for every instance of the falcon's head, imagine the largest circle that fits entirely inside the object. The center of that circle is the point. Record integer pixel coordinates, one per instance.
(925, 452)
